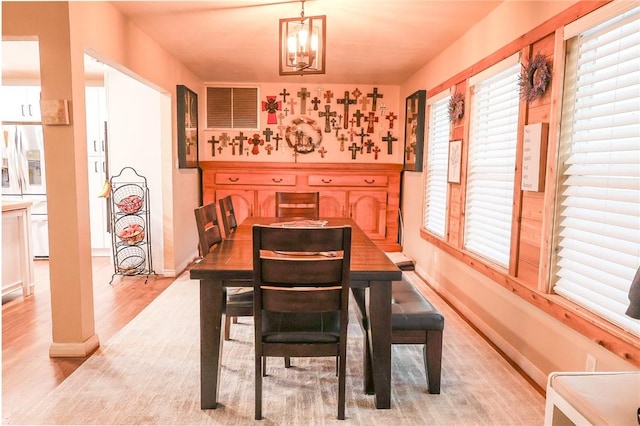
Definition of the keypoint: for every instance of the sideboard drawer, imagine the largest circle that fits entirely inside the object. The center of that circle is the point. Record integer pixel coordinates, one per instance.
(231, 178)
(348, 180)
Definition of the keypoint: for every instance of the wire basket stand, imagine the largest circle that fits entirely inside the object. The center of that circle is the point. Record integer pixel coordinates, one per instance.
(130, 225)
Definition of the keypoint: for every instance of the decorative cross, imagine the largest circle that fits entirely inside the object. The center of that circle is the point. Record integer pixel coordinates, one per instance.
(277, 138)
(303, 94)
(268, 148)
(284, 95)
(356, 94)
(233, 144)
(281, 128)
(267, 134)
(327, 117)
(364, 101)
(352, 121)
(246, 151)
(358, 115)
(286, 112)
(371, 119)
(376, 150)
(322, 152)
(383, 108)
(407, 151)
(224, 138)
(391, 117)
(220, 150)
(328, 95)
(256, 141)
(352, 133)
(389, 139)
(315, 101)
(346, 102)
(342, 139)
(310, 111)
(280, 117)
(271, 106)
(335, 127)
(354, 148)
(241, 138)
(362, 135)
(292, 103)
(369, 144)
(375, 97)
(319, 90)
(213, 143)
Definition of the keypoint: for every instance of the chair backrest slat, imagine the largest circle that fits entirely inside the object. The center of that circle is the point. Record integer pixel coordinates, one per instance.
(297, 205)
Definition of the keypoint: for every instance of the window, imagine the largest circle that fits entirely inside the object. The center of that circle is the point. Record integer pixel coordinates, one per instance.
(597, 224)
(435, 192)
(491, 161)
(232, 107)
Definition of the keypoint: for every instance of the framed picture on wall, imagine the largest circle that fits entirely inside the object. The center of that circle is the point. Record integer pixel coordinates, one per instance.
(187, 127)
(414, 131)
(455, 161)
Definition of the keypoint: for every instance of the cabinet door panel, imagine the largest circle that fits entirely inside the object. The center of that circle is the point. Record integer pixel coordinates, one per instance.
(369, 210)
(20, 103)
(332, 203)
(266, 203)
(243, 202)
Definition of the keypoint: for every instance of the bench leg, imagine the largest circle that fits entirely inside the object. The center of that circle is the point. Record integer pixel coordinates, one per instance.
(433, 359)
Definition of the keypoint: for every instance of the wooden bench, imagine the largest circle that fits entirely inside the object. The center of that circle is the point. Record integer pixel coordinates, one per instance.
(413, 321)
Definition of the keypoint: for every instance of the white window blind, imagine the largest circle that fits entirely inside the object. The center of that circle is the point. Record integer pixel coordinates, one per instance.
(491, 165)
(435, 207)
(597, 227)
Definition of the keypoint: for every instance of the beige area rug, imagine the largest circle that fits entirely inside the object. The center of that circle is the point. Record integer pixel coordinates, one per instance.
(149, 373)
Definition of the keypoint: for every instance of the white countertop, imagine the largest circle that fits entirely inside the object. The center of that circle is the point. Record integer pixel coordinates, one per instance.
(8, 206)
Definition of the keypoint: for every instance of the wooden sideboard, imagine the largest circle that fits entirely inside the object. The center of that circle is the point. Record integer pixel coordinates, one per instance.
(368, 193)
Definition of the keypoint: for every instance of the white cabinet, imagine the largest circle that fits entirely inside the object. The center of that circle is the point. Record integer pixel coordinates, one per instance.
(95, 103)
(17, 252)
(20, 103)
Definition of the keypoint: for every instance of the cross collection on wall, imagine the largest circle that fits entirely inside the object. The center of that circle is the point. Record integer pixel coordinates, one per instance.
(349, 125)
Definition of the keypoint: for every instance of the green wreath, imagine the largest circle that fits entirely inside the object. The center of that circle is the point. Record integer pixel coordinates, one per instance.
(534, 78)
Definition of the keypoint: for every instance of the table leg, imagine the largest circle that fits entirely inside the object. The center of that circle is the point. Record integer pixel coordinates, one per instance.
(379, 313)
(211, 308)
(361, 312)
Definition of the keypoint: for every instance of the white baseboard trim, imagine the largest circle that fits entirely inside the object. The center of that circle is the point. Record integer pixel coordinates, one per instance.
(514, 355)
(74, 350)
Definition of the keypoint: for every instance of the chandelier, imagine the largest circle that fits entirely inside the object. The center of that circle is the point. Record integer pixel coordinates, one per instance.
(302, 44)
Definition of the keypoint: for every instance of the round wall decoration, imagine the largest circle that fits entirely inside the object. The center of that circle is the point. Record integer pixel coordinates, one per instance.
(535, 78)
(303, 135)
(456, 107)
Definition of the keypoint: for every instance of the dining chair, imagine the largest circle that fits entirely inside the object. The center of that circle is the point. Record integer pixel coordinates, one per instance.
(209, 233)
(229, 221)
(301, 297)
(239, 299)
(298, 205)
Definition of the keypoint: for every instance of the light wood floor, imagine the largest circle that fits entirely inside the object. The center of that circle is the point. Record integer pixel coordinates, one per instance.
(28, 373)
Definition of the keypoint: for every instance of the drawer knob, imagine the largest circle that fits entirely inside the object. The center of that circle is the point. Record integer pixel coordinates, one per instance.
(370, 181)
(234, 179)
(327, 180)
(276, 180)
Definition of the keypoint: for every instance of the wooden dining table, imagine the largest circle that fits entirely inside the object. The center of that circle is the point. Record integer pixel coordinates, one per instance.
(230, 264)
